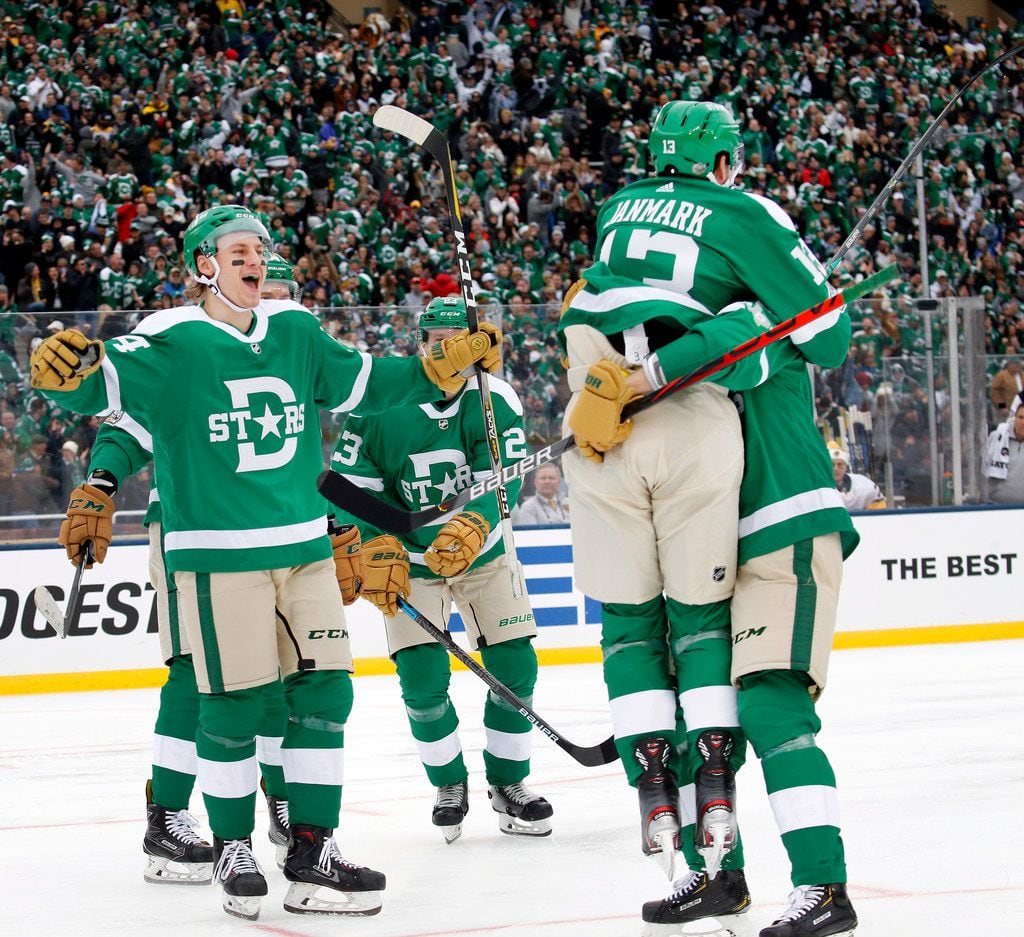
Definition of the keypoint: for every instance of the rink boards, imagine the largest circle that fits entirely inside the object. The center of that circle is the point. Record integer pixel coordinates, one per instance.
(917, 577)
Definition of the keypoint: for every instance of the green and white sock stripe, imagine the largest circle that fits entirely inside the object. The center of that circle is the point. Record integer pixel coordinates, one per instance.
(313, 751)
(174, 737)
(228, 778)
(424, 674)
(509, 733)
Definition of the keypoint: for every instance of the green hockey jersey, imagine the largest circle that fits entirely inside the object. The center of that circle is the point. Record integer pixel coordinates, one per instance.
(421, 456)
(123, 446)
(235, 429)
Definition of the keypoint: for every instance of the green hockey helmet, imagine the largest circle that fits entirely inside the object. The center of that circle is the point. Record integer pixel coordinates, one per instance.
(687, 137)
(443, 312)
(209, 226)
(280, 271)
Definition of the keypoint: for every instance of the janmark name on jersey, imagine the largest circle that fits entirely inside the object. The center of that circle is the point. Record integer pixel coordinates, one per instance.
(235, 425)
(665, 212)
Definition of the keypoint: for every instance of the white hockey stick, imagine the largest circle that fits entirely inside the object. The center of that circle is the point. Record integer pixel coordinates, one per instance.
(435, 143)
(47, 604)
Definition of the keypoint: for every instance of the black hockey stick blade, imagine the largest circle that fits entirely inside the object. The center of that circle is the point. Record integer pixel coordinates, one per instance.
(348, 496)
(590, 756)
(47, 604)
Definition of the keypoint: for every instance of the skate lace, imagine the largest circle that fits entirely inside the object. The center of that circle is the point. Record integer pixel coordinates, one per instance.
(801, 900)
(681, 887)
(518, 794)
(182, 826)
(281, 811)
(449, 795)
(237, 858)
(329, 854)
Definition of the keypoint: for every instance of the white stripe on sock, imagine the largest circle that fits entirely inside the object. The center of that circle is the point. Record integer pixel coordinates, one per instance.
(268, 749)
(710, 707)
(313, 765)
(515, 746)
(797, 808)
(442, 752)
(174, 754)
(228, 778)
(645, 713)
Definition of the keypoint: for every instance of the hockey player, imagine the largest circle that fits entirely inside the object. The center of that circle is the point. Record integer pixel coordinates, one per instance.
(174, 851)
(244, 531)
(793, 529)
(415, 458)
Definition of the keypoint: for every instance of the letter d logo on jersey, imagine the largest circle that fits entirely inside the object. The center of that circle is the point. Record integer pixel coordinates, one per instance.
(235, 424)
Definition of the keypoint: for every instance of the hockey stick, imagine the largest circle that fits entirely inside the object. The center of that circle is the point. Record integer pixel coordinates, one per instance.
(589, 755)
(435, 143)
(47, 604)
(901, 170)
(339, 490)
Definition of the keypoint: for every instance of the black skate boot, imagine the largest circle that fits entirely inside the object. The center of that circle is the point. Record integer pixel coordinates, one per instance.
(240, 874)
(815, 911)
(659, 803)
(450, 809)
(279, 831)
(716, 831)
(315, 863)
(520, 811)
(695, 896)
(175, 854)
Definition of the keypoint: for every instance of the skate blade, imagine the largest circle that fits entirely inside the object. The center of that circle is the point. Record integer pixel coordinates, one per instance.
(708, 927)
(246, 907)
(515, 826)
(161, 871)
(303, 898)
(451, 833)
(664, 852)
(719, 838)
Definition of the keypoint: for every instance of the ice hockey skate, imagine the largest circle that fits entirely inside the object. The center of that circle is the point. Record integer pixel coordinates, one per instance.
(696, 897)
(175, 853)
(450, 809)
(815, 911)
(520, 811)
(240, 874)
(325, 883)
(279, 831)
(659, 804)
(716, 830)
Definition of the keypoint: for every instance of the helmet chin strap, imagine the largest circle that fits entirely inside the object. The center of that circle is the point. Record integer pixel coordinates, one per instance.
(212, 282)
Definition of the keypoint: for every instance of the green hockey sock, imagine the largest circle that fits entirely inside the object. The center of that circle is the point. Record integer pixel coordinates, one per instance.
(509, 739)
(174, 737)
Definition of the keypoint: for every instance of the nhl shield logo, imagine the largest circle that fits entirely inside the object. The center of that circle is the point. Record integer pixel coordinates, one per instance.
(442, 424)
(719, 573)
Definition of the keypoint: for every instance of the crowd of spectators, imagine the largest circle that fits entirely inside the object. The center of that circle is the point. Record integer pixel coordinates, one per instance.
(120, 120)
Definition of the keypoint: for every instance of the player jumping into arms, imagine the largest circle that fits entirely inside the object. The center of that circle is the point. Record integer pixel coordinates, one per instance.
(675, 250)
(416, 458)
(229, 389)
(174, 851)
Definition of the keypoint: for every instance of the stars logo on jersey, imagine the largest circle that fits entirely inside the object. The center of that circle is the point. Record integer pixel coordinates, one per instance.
(255, 452)
(439, 475)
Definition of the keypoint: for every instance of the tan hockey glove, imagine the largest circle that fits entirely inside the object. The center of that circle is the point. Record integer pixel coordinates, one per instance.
(62, 360)
(457, 544)
(446, 360)
(386, 571)
(90, 516)
(596, 417)
(348, 562)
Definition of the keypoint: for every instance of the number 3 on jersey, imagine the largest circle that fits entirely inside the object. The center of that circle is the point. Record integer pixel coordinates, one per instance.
(672, 257)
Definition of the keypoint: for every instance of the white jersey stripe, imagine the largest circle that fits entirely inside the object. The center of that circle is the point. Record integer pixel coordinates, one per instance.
(807, 502)
(250, 539)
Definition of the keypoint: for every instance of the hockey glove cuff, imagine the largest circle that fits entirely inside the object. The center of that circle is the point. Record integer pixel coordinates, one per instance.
(446, 360)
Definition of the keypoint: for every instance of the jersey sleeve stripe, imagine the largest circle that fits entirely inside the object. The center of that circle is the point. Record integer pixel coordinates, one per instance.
(618, 297)
(815, 328)
(358, 387)
(113, 386)
(136, 430)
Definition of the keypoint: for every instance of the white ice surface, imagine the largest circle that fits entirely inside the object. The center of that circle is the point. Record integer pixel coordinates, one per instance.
(927, 743)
